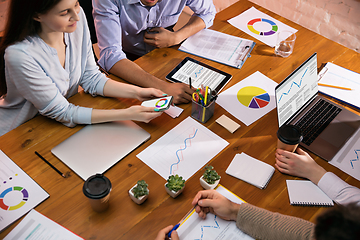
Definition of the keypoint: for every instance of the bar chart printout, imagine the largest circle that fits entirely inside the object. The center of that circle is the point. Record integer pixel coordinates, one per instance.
(18, 192)
(183, 150)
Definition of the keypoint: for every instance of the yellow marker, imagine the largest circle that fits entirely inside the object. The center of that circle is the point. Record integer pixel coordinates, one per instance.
(206, 93)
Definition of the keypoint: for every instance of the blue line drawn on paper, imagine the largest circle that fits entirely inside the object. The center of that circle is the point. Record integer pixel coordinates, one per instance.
(216, 226)
(354, 160)
(180, 150)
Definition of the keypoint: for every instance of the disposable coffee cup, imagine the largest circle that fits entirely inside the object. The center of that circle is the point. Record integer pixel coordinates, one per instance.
(289, 137)
(97, 189)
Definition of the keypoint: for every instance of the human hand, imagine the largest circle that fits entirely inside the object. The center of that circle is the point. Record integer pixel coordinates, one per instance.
(141, 113)
(160, 37)
(162, 235)
(298, 164)
(212, 201)
(149, 93)
(181, 92)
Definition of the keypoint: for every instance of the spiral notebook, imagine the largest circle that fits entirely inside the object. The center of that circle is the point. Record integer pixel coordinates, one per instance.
(306, 193)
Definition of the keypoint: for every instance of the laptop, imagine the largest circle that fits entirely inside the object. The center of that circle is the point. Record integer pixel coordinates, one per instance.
(326, 126)
(96, 148)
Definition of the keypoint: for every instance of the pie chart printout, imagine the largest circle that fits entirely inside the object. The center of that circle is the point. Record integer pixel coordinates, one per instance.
(253, 97)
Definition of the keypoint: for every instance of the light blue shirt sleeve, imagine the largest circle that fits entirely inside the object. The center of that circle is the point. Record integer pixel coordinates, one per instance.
(38, 83)
(120, 24)
(338, 190)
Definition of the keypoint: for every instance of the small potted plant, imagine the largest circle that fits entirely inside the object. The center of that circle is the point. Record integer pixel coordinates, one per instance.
(210, 179)
(175, 185)
(139, 192)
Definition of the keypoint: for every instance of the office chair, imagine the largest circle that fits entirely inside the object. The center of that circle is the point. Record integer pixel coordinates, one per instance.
(87, 7)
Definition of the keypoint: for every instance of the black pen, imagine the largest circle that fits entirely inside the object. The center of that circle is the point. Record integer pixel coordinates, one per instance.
(57, 170)
(190, 82)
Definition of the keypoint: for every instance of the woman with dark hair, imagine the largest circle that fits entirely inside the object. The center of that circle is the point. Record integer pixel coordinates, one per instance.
(45, 55)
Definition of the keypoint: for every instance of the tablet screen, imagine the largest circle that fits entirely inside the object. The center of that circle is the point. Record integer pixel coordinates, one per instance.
(200, 73)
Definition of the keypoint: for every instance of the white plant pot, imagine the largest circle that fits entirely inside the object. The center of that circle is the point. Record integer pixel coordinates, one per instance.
(172, 193)
(207, 186)
(139, 200)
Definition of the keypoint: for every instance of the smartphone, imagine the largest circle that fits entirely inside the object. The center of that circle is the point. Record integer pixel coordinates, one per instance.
(160, 103)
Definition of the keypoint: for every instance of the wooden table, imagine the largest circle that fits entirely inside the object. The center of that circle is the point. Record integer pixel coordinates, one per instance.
(126, 220)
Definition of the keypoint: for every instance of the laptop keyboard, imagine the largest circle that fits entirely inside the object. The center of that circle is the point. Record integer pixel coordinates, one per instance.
(316, 120)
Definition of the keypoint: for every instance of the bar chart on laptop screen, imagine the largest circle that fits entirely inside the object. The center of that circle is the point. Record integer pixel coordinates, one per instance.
(296, 91)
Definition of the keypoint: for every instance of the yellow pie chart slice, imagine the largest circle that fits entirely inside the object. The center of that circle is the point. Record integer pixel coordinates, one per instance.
(246, 94)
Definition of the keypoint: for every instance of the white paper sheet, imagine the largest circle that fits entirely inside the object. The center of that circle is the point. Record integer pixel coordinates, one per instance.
(183, 150)
(19, 193)
(249, 99)
(174, 111)
(348, 158)
(260, 26)
(335, 75)
(212, 227)
(36, 226)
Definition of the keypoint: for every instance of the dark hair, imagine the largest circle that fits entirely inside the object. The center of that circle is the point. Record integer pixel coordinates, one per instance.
(19, 25)
(340, 223)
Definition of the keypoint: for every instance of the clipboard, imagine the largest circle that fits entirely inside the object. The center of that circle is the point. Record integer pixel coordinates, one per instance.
(219, 47)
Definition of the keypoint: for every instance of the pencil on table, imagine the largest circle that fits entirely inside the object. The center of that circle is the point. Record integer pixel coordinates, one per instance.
(333, 86)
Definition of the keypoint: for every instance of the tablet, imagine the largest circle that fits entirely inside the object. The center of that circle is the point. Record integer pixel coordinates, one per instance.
(200, 73)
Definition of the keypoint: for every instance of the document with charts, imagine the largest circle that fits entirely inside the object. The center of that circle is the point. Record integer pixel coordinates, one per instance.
(219, 47)
(36, 226)
(183, 150)
(250, 99)
(19, 193)
(260, 26)
(348, 158)
(213, 227)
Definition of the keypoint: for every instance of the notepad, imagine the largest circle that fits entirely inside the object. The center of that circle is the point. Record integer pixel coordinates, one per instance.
(306, 193)
(250, 170)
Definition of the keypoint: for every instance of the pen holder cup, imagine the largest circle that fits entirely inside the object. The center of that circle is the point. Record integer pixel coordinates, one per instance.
(201, 113)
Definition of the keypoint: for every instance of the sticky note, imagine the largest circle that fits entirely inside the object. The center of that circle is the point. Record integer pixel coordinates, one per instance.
(227, 123)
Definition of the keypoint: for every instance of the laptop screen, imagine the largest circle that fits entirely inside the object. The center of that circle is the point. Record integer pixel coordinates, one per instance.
(296, 90)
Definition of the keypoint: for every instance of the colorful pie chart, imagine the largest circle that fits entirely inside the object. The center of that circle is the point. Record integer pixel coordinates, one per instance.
(272, 26)
(162, 102)
(25, 196)
(253, 97)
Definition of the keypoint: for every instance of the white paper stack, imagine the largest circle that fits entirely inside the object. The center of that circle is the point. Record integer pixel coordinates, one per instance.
(250, 170)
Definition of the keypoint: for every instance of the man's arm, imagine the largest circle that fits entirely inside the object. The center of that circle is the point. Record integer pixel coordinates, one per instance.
(161, 37)
(133, 73)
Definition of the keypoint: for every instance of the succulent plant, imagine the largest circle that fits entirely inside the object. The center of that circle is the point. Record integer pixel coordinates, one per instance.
(210, 175)
(140, 189)
(175, 183)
